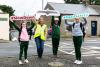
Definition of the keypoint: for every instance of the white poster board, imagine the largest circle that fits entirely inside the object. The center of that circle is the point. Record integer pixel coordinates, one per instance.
(4, 26)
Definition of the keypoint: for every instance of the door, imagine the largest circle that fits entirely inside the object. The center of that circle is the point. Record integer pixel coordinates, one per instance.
(93, 28)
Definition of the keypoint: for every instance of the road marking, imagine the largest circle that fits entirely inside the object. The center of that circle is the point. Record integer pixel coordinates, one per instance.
(92, 42)
(97, 57)
(90, 50)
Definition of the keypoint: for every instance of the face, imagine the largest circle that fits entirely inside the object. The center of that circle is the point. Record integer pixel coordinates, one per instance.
(56, 20)
(77, 20)
(41, 20)
(24, 25)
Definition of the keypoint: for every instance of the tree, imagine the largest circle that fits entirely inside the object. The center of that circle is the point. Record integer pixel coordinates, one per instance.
(72, 1)
(67, 1)
(91, 2)
(97, 2)
(75, 1)
(7, 9)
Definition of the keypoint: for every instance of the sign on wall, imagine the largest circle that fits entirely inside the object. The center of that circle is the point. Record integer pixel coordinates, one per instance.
(4, 26)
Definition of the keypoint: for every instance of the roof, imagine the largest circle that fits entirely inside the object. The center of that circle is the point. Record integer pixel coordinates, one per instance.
(95, 7)
(71, 8)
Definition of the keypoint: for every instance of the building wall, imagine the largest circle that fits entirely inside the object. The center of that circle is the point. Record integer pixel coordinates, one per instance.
(93, 18)
(4, 26)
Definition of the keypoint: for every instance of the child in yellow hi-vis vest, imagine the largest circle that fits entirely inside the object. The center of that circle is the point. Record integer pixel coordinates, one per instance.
(40, 36)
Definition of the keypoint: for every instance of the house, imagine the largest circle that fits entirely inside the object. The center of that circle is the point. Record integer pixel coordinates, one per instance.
(92, 27)
(4, 26)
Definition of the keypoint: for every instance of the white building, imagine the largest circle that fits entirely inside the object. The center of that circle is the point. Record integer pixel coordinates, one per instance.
(4, 26)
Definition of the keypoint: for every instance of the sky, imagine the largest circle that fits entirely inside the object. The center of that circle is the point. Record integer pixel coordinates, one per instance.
(27, 7)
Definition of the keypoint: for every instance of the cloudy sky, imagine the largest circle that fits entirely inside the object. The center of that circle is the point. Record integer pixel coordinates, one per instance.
(27, 7)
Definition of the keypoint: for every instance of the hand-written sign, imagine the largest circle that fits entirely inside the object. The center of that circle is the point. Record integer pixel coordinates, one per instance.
(22, 17)
(75, 16)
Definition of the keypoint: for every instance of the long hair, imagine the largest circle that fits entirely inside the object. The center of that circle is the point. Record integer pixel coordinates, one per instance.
(21, 25)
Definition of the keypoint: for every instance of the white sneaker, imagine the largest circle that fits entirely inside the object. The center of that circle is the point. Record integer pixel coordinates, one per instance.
(79, 62)
(26, 61)
(20, 62)
(75, 61)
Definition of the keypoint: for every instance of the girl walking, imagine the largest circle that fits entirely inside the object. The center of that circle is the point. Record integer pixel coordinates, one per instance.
(55, 34)
(40, 36)
(23, 39)
(77, 33)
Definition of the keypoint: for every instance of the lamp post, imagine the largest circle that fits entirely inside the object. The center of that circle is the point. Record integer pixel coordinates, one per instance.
(42, 4)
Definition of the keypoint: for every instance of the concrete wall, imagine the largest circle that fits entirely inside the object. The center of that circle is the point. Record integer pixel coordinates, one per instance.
(4, 26)
(93, 18)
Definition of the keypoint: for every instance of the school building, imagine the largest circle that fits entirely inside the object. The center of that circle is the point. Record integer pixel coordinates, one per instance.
(93, 25)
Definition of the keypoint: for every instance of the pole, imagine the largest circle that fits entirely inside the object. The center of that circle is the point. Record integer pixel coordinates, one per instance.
(42, 4)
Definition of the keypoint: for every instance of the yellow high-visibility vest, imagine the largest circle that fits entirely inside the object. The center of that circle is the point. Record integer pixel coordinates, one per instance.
(41, 31)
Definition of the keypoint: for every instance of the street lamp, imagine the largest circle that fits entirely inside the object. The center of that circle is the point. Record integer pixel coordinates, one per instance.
(42, 4)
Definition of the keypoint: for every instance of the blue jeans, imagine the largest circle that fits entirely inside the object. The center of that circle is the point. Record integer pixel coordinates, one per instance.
(40, 46)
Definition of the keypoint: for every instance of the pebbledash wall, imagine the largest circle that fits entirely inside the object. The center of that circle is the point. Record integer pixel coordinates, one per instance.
(4, 26)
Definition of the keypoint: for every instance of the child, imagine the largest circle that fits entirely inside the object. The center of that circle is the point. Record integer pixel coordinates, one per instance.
(55, 34)
(77, 38)
(23, 40)
(40, 36)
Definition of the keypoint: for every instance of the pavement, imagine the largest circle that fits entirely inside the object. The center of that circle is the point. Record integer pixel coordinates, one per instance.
(90, 54)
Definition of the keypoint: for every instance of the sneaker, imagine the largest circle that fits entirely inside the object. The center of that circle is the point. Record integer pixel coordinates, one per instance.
(75, 61)
(79, 62)
(20, 62)
(26, 61)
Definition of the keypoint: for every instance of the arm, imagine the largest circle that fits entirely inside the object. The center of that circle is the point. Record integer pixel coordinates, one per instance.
(46, 32)
(84, 21)
(69, 24)
(59, 20)
(32, 25)
(52, 21)
(13, 24)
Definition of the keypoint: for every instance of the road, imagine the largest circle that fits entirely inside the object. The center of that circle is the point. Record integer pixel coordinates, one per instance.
(90, 54)
(91, 47)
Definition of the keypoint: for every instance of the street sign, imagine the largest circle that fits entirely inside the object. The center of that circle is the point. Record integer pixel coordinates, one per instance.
(75, 16)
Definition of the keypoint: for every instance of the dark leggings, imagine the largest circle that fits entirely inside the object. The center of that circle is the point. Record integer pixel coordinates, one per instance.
(77, 44)
(23, 48)
(40, 46)
(55, 44)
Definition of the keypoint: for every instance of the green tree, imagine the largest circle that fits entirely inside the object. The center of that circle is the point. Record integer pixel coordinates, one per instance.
(67, 1)
(75, 1)
(72, 1)
(7, 9)
(97, 2)
(94, 2)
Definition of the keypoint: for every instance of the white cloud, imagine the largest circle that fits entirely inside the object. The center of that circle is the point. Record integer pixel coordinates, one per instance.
(27, 7)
